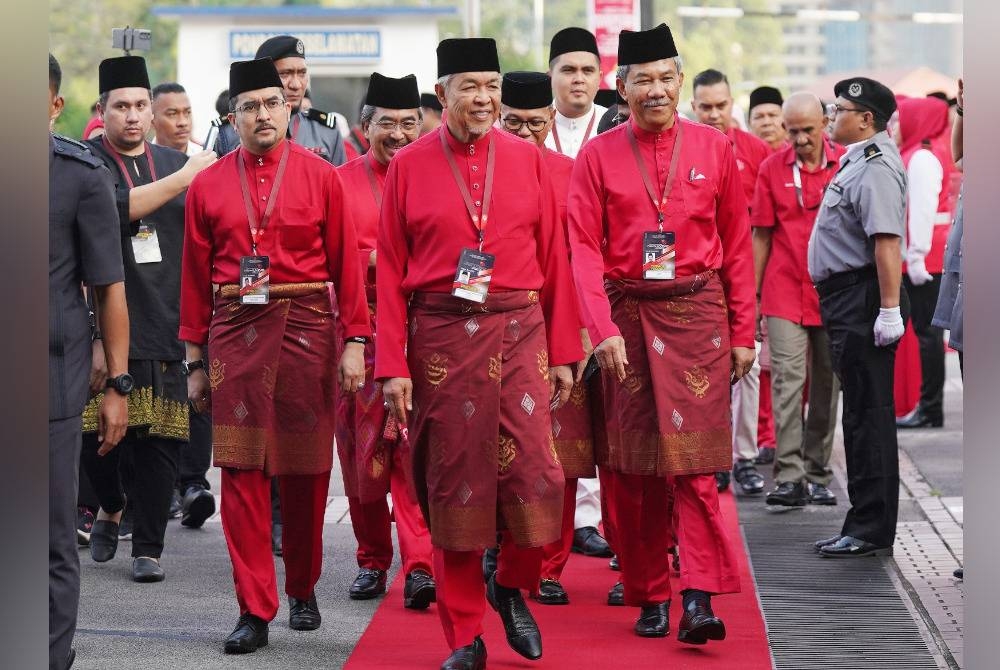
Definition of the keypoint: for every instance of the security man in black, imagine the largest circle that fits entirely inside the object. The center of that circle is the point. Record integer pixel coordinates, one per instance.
(855, 257)
(84, 249)
(313, 129)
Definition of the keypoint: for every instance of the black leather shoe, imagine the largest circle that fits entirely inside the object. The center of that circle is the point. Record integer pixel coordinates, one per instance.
(959, 573)
(788, 494)
(304, 614)
(820, 495)
(368, 584)
(249, 636)
(103, 541)
(175, 505)
(70, 658)
(276, 539)
(822, 543)
(490, 562)
(653, 621)
(198, 505)
(765, 456)
(146, 569)
(749, 481)
(588, 541)
(613, 564)
(699, 624)
(852, 547)
(470, 657)
(918, 419)
(722, 481)
(616, 596)
(520, 627)
(419, 591)
(551, 592)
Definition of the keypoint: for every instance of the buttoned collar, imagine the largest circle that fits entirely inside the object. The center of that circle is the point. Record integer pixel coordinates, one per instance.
(578, 123)
(652, 137)
(826, 160)
(268, 159)
(376, 166)
(463, 148)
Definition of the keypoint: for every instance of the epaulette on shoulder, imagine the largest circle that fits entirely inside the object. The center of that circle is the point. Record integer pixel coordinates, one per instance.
(70, 148)
(319, 116)
(872, 151)
(220, 121)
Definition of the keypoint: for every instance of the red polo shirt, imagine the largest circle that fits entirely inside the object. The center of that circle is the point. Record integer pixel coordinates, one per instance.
(750, 152)
(787, 291)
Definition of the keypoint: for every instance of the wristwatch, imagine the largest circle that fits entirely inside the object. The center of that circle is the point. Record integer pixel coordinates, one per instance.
(357, 339)
(191, 366)
(123, 383)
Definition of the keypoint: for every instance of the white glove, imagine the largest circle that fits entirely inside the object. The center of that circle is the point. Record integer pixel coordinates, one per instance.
(917, 271)
(888, 326)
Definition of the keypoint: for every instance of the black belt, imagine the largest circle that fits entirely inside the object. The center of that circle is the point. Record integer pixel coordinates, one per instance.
(842, 280)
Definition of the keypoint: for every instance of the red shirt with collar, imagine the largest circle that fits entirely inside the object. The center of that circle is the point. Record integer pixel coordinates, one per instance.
(787, 291)
(609, 210)
(424, 226)
(309, 238)
(750, 153)
(362, 200)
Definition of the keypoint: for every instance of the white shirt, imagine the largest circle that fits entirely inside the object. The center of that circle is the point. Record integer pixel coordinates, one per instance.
(572, 133)
(923, 178)
(192, 147)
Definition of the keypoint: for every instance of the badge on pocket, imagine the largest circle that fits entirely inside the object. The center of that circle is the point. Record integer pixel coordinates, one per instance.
(658, 255)
(472, 278)
(145, 244)
(255, 278)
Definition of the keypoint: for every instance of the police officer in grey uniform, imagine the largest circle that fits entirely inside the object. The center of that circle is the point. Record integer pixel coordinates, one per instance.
(84, 248)
(313, 129)
(855, 256)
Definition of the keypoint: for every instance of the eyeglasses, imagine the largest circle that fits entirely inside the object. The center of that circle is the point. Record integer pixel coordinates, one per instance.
(272, 105)
(833, 109)
(514, 124)
(407, 126)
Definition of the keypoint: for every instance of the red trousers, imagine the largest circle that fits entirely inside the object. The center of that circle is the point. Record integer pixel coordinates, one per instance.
(373, 527)
(643, 536)
(461, 593)
(555, 554)
(765, 412)
(246, 514)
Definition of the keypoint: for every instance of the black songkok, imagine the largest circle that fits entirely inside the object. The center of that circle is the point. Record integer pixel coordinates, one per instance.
(572, 39)
(390, 93)
(282, 46)
(526, 90)
(468, 54)
(123, 72)
(869, 94)
(606, 97)
(250, 75)
(430, 101)
(764, 95)
(645, 46)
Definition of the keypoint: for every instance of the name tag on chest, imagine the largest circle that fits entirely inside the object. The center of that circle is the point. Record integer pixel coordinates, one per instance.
(255, 279)
(146, 245)
(472, 278)
(658, 255)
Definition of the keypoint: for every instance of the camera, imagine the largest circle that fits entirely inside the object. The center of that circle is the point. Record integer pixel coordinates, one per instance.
(131, 39)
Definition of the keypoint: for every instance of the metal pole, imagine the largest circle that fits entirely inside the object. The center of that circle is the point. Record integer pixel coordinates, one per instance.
(646, 14)
(477, 18)
(539, 36)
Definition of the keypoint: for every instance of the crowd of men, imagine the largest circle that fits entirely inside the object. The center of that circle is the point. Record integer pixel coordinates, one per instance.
(725, 287)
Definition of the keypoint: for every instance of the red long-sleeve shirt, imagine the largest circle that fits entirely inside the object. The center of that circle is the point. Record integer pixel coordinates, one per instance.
(361, 200)
(310, 236)
(750, 153)
(424, 226)
(609, 210)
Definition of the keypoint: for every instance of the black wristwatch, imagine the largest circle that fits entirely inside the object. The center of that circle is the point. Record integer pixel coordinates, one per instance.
(123, 383)
(357, 339)
(191, 366)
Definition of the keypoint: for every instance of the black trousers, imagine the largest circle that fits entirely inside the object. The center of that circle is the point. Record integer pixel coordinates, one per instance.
(196, 457)
(64, 564)
(923, 300)
(865, 371)
(150, 463)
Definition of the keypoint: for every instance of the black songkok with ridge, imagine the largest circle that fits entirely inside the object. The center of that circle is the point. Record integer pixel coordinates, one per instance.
(645, 46)
(526, 90)
(250, 75)
(467, 54)
(122, 72)
(430, 101)
(391, 93)
(572, 39)
(763, 95)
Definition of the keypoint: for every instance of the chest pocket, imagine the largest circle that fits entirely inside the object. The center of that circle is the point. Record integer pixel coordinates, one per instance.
(513, 213)
(699, 197)
(299, 228)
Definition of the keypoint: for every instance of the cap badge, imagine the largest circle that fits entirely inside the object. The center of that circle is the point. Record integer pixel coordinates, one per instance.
(299, 47)
(855, 89)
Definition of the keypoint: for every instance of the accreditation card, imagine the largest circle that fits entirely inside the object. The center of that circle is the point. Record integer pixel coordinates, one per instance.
(658, 254)
(472, 278)
(145, 244)
(255, 278)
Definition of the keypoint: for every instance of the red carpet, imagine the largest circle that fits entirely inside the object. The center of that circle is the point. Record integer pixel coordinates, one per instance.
(587, 633)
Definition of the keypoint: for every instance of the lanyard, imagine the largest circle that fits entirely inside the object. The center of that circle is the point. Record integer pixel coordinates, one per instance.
(586, 133)
(376, 191)
(121, 163)
(797, 178)
(478, 223)
(661, 203)
(257, 230)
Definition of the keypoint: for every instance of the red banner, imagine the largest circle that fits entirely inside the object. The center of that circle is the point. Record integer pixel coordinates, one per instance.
(607, 18)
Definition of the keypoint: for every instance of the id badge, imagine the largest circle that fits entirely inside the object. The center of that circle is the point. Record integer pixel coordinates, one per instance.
(145, 244)
(472, 279)
(658, 254)
(255, 280)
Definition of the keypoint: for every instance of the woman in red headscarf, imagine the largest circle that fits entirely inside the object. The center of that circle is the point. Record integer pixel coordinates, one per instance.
(919, 379)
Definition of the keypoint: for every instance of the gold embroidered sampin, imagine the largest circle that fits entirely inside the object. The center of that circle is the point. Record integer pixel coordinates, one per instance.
(216, 373)
(436, 369)
(494, 368)
(697, 381)
(543, 364)
(506, 452)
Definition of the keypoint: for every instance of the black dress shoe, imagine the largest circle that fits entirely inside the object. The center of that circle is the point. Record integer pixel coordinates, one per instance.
(788, 494)
(822, 543)
(588, 541)
(249, 636)
(699, 624)
(518, 623)
(820, 495)
(70, 658)
(765, 456)
(419, 591)
(490, 562)
(653, 621)
(852, 547)
(959, 573)
(198, 505)
(551, 592)
(616, 596)
(103, 541)
(175, 505)
(722, 481)
(146, 569)
(918, 419)
(750, 481)
(368, 584)
(276, 539)
(470, 657)
(613, 564)
(304, 614)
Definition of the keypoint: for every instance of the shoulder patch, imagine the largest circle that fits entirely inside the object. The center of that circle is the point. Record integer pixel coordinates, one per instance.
(78, 151)
(872, 151)
(319, 116)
